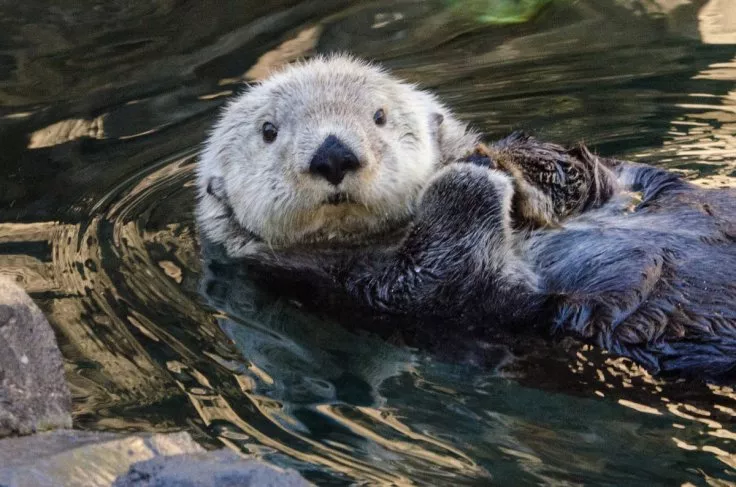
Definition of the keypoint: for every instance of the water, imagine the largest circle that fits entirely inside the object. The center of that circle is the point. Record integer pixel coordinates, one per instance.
(103, 107)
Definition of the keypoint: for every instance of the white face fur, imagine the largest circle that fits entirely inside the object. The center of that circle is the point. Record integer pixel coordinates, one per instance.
(267, 182)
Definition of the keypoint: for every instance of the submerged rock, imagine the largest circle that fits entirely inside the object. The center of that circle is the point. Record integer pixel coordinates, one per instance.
(33, 392)
(211, 469)
(90, 459)
(82, 458)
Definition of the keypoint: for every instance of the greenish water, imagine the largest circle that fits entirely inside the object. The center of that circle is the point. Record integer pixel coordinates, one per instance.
(103, 106)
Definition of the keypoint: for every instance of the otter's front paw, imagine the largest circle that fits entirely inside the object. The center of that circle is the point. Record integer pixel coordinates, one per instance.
(467, 195)
(480, 156)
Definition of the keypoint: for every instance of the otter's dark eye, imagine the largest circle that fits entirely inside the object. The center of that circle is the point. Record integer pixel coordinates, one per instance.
(380, 117)
(269, 132)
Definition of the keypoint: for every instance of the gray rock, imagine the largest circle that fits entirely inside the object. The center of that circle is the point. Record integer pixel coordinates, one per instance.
(33, 392)
(90, 459)
(223, 468)
(80, 458)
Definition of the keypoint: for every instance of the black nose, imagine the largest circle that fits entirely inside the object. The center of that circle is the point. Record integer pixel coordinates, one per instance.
(333, 160)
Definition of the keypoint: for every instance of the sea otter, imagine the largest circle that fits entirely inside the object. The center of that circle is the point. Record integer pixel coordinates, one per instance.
(354, 191)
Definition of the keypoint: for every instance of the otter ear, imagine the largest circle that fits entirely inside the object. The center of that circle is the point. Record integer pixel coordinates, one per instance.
(435, 121)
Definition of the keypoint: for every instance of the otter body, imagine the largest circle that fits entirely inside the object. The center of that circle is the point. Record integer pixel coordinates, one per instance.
(522, 236)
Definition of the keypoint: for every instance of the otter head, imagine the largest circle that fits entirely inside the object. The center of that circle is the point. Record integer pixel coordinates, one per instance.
(328, 149)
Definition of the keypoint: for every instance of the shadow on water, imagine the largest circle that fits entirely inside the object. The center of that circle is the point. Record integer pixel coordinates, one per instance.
(102, 108)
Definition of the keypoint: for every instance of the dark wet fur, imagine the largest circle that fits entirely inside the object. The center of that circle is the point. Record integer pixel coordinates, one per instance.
(657, 284)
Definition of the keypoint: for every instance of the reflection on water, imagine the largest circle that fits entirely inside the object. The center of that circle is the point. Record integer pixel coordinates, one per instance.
(102, 110)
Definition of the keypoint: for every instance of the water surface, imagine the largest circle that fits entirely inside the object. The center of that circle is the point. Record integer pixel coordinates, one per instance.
(103, 106)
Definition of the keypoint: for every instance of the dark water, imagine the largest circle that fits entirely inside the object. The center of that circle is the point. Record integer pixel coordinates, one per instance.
(103, 107)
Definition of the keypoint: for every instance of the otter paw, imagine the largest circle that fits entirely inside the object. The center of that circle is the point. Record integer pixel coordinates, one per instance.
(480, 156)
(462, 191)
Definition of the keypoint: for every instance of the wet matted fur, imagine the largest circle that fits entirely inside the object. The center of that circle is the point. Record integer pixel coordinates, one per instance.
(524, 235)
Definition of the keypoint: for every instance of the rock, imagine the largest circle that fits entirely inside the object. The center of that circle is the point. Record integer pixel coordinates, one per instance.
(33, 391)
(212, 469)
(82, 458)
(91, 459)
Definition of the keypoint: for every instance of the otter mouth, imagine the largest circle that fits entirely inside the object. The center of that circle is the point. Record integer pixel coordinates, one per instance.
(337, 199)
